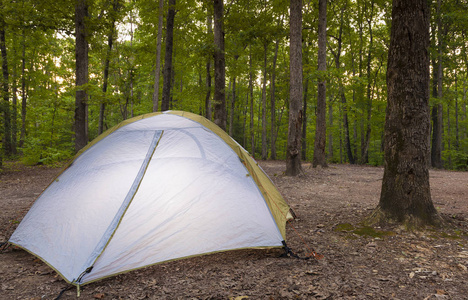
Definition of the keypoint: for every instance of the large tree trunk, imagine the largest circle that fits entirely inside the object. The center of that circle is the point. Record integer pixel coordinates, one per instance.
(167, 74)
(81, 56)
(219, 100)
(406, 195)
(293, 157)
(320, 158)
(157, 71)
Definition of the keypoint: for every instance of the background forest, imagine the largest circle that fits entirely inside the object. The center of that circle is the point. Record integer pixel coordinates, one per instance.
(38, 88)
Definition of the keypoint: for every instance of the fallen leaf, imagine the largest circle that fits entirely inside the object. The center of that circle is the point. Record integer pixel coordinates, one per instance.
(98, 296)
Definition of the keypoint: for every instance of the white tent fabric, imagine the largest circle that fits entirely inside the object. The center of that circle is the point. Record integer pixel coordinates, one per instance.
(155, 189)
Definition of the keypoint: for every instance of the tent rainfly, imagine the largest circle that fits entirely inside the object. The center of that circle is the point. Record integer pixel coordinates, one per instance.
(157, 187)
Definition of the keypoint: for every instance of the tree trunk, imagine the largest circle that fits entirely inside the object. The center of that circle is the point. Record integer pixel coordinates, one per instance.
(110, 40)
(273, 135)
(219, 100)
(304, 121)
(23, 90)
(293, 158)
(457, 129)
(81, 56)
(320, 158)
(233, 106)
(330, 123)
(209, 22)
(252, 131)
(14, 110)
(264, 117)
(157, 71)
(346, 127)
(167, 74)
(337, 56)
(406, 195)
(7, 144)
(366, 141)
(437, 109)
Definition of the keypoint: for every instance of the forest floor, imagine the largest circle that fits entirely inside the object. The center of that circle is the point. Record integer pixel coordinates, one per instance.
(358, 263)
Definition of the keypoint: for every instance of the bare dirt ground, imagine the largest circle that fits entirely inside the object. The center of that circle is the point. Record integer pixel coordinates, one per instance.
(358, 263)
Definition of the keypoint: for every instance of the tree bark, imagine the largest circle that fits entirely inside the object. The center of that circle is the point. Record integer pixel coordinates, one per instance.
(157, 71)
(406, 195)
(366, 141)
(264, 122)
(7, 144)
(252, 132)
(219, 100)
(293, 158)
(273, 135)
(209, 22)
(304, 121)
(167, 74)
(23, 89)
(337, 56)
(330, 134)
(110, 40)
(81, 56)
(320, 158)
(437, 109)
(233, 104)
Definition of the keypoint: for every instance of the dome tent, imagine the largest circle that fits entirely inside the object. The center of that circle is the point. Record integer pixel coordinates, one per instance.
(154, 188)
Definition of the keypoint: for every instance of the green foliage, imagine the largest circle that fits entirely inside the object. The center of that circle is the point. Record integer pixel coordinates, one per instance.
(40, 34)
(36, 152)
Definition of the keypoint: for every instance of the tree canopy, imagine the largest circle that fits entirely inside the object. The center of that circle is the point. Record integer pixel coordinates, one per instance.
(37, 45)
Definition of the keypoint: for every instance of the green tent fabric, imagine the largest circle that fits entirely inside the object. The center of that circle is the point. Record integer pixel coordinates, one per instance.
(154, 188)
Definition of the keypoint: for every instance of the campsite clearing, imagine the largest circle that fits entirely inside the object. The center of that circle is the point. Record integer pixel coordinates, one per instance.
(359, 262)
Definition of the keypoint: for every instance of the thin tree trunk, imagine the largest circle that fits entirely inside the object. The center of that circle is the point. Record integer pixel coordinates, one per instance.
(252, 131)
(233, 107)
(264, 117)
(273, 134)
(365, 145)
(337, 56)
(449, 144)
(293, 157)
(219, 100)
(14, 110)
(209, 22)
(330, 124)
(233, 102)
(437, 110)
(81, 55)
(457, 130)
(23, 89)
(320, 158)
(157, 71)
(110, 39)
(7, 144)
(167, 74)
(304, 121)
